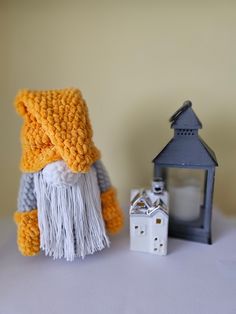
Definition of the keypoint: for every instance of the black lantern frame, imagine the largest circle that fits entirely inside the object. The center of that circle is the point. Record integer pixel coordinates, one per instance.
(187, 150)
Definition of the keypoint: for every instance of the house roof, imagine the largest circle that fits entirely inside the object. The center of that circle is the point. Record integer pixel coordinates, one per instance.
(186, 151)
(185, 118)
(142, 205)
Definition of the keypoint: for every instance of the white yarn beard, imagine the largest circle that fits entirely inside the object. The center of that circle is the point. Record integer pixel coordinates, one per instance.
(69, 217)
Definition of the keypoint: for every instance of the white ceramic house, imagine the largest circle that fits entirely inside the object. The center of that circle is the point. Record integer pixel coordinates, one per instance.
(149, 218)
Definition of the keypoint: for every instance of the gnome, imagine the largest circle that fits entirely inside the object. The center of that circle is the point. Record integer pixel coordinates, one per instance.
(66, 203)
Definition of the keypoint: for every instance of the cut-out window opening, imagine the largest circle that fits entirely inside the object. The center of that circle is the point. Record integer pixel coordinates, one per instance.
(158, 221)
(185, 132)
(141, 204)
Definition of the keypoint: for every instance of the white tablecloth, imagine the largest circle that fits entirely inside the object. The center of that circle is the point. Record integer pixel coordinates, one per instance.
(192, 278)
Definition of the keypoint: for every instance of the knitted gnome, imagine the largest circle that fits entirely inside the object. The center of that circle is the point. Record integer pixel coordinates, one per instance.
(66, 202)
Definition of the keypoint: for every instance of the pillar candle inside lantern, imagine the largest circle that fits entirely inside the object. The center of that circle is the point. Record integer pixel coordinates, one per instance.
(185, 202)
(185, 195)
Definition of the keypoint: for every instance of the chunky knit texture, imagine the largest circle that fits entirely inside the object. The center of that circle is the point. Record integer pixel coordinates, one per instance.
(28, 235)
(111, 211)
(56, 126)
(26, 197)
(104, 181)
(28, 232)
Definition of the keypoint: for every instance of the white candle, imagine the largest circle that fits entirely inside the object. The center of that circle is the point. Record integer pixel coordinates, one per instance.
(185, 202)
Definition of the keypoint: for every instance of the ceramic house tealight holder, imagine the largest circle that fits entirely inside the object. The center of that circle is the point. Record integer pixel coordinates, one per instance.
(149, 218)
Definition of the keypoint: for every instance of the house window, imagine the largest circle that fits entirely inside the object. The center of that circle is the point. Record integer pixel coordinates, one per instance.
(141, 204)
(158, 221)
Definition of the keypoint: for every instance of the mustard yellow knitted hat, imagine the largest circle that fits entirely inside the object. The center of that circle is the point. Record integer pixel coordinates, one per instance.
(56, 126)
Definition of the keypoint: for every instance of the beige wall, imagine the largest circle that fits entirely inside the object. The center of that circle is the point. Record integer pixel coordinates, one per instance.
(135, 62)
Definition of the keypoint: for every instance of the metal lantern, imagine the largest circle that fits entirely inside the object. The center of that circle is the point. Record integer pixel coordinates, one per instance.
(188, 155)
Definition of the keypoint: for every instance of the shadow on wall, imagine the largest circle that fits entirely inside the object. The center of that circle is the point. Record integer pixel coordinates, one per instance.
(148, 134)
(220, 137)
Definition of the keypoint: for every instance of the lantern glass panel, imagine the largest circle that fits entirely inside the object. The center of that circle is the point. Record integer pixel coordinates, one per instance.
(186, 189)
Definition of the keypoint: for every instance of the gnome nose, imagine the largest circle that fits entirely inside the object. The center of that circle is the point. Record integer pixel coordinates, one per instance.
(58, 173)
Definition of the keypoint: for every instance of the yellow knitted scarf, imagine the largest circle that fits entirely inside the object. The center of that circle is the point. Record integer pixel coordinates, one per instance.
(56, 126)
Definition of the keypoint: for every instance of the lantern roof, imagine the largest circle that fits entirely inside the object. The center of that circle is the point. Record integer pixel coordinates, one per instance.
(186, 149)
(186, 153)
(185, 118)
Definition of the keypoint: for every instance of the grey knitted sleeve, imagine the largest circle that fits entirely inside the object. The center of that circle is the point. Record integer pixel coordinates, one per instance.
(26, 197)
(102, 176)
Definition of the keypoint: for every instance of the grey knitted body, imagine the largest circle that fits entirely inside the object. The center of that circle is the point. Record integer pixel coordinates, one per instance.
(102, 176)
(27, 198)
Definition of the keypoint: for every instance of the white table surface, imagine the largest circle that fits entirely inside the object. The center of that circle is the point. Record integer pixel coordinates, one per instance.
(192, 278)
